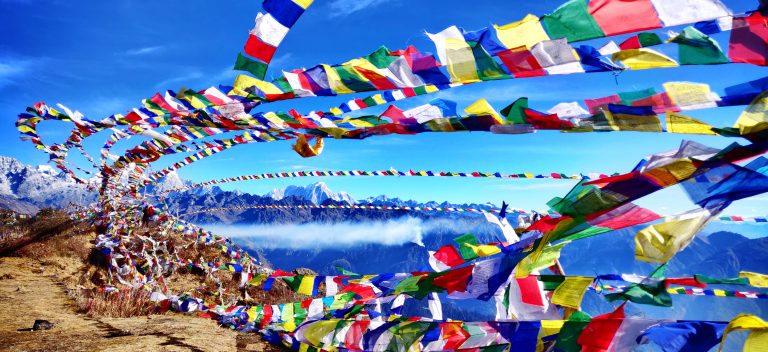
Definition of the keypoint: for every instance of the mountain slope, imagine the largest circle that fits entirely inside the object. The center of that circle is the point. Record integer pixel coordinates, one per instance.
(24, 188)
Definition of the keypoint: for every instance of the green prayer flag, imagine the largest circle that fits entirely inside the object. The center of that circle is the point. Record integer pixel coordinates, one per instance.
(408, 284)
(407, 333)
(293, 282)
(696, 48)
(567, 339)
(733, 281)
(487, 68)
(551, 281)
(466, 251)
(514, 112)
(628, 97)
(381, 58)
(647, 39)
(299, 313)
(256, 68)
(345, 271)
(283, 84)
(495, 348)
(352, 79)
(572, 21)
(651, 293)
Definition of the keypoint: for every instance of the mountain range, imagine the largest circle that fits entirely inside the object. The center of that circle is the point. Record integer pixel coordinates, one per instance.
(27, 189)
(721, 254)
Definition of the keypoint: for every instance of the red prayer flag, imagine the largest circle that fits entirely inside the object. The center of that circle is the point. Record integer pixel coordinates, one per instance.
(259, 49)
(453, 335)
(599, 333)
(454, 280)
(624, 16)
(749, 40)
(355, 334)
(684, 281)
(594, 105)
(530, 292)
(449, 256)
(521, 63)
(631, 43)
(545, 121)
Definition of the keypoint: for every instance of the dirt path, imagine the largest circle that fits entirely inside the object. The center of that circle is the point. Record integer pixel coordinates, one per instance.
(27, 293)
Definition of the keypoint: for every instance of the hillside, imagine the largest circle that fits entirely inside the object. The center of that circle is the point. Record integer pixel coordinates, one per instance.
(48, 272)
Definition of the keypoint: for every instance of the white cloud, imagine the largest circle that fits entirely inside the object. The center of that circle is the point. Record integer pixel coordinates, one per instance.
(344, 234)
(144, 51)
(186, 80)
(11, 69)
(342, 8)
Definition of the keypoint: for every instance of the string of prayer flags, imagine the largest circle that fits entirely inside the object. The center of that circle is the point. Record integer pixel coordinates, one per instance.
(651, 290)
(269, 31)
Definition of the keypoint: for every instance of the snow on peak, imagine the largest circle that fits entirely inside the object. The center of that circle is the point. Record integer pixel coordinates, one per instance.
(316, 193)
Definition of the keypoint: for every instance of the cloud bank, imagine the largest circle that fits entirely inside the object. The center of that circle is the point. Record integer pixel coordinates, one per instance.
(317, 235)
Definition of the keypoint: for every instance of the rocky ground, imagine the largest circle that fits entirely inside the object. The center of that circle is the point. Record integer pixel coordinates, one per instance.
(37, 281)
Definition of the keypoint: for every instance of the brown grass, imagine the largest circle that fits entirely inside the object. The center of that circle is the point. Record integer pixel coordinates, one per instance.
(120, 304)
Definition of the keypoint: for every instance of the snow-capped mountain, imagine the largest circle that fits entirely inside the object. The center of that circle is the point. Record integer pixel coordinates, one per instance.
(26, 188)
(317, 193)
(169, 182)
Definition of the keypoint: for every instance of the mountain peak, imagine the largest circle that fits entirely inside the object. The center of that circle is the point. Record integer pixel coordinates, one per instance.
(25, 186)
(316, 193)
(169, 182)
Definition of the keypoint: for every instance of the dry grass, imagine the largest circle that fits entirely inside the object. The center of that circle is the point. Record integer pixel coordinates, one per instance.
(121, 304)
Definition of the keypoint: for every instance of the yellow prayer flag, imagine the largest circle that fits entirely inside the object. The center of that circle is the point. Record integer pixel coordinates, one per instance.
(643, 58)
(335, 132)
(755, 279)
(483, 250)
(660, 242)
(303, 3)
(252, 313)
(755, 117)
(526, 32)
(314, 333)
(334, 80)
(273, 118)
(548, 328)
(678, 123)
(243, 82)
(306, 285)
(359, 123)
(441, 125)
(378, 99)
(481, 108)
(757, 341)
(534, 262)
(303, 148)
(286, 316)
(691, 95)
(258, 279)
(571, 291)
(461, 61)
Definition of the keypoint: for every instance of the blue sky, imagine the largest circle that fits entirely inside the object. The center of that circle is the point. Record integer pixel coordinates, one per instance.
(104, 57)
